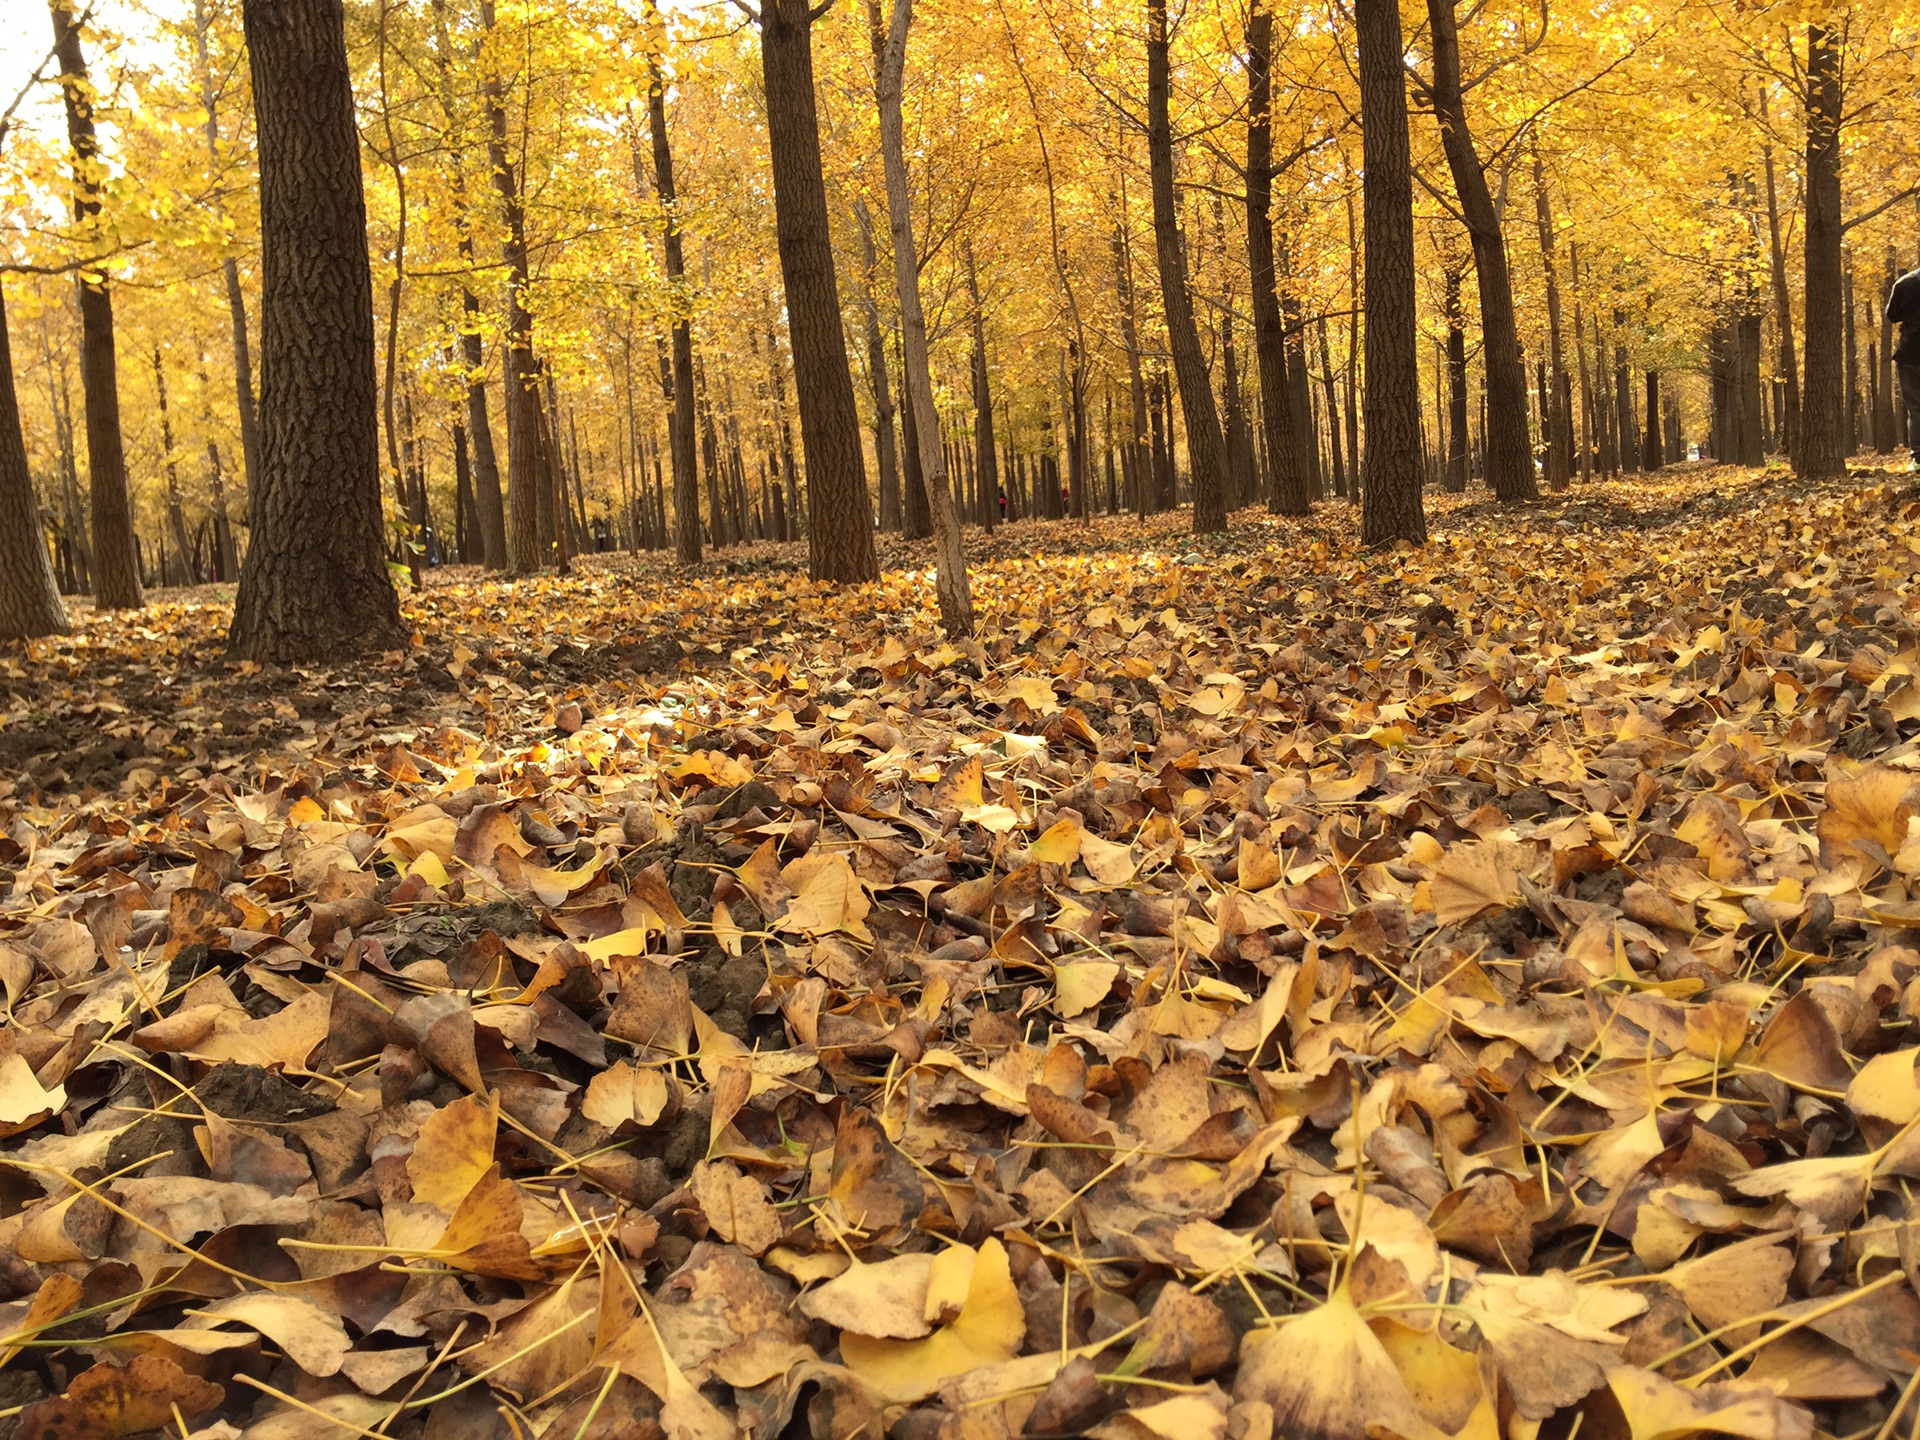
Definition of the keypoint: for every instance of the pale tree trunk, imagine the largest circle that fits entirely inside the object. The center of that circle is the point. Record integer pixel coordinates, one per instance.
(1206, 447)
(680, 441)
(315, 586)
(29, 599)
(1821, 456)
(1287, 492)
(950, 556)
(116, 567)
(839, 522)
(1391, 506)
(1509, 455)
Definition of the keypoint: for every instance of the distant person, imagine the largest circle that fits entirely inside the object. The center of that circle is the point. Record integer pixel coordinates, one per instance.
(1903, 309)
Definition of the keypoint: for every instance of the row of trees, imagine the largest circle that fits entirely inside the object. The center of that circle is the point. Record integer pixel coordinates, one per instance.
(642, 246)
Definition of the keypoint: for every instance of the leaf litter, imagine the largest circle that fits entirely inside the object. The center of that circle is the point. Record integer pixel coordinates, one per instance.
(1262, 990)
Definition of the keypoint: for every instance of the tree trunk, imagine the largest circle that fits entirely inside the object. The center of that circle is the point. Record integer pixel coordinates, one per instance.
(1788, 379)
(1559, 420)
(29, 599)
(986, 461)
(1139, 447)
(489, 505)
(1821, 455)
(1287, 478)
(840, 525)
(1509, 457)
(1333, 413)
(891, 517)
(680, 436)
(315, 586)
(1629, 429)
(116, 565)
(1206, 448)
(1456, 469)
(1652, 455)
(524, 460)
(176, 515)
(1391, 507)
(1589, 419)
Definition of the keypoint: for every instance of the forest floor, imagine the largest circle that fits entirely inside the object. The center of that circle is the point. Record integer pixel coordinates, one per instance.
(1260, 988)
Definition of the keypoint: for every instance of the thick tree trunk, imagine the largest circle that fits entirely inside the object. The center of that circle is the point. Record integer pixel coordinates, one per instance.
(315, 586)
(29, 599)
(525, 468)
(840, 524)
(116, 563)
(1822, 456)
(1509, 457)
(1391, 507)
(1206, 448)
(1287, 478)
(888, 458)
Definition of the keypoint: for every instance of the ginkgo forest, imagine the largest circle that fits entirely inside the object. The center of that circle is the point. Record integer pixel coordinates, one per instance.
(957, 719)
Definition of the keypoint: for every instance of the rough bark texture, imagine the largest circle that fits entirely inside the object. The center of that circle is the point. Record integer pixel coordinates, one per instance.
(1391, 507)
(315, 585)
(1206, 447)
(1509, 457)
(29, 599)
(525, 467)
(116, 561)
(686, 482)
(840, 525)
(1822, 456)
(1287, 477)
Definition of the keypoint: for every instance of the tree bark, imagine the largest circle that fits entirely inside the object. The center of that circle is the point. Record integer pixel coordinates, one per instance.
(1789, 377)
(176, 515)
(891, 517)
(1139, 450)
(1556, 411)
(680, 440)
(1509, 456)
(116, 562)
(1821, 454)
(29, 600)
(524, 460)
(986, 460)
(315, 585)
(1652, 456)
(488, 502)
(1287, 477)
(840, 525)
(1456, 469)
(1206, 447)
(1391, 507)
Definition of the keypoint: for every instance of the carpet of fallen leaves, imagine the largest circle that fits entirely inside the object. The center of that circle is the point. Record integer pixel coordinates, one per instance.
(1259, 989)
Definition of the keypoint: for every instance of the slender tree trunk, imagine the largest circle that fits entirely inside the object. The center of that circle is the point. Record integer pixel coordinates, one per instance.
(1287, 478)
(1652, 450)
(1340, 484)
(1788, 379)
(489, 505)
(1139, 448)
(315, 586)
(1456, 468)
(840, 525)
(1852, 438)
(1821, 454)
(1509, 457)
(1630, 446)
(176, 514)
(1206, 448)
(680, 431)
(116, 568)
(986, 460)
(1391, 507)
(883, 433)
(1559, 422)
(1588, 418)
(29, 599)
(411, 540)
(524, 460)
